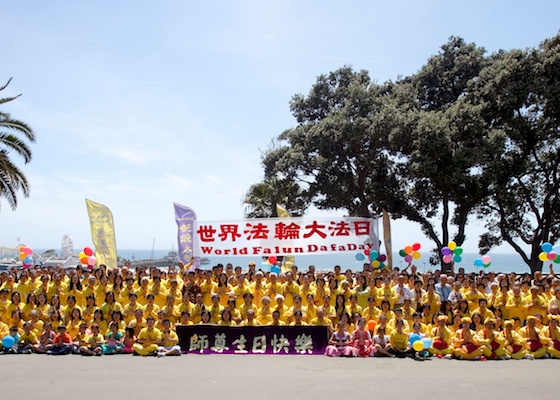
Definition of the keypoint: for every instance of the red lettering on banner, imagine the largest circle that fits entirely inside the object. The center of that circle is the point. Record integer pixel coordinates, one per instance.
(257, 231)
(362, 227)
(315, 228)
(229, 229)
(283, 231)
(341, 228)
(206, 250)
(206, 233)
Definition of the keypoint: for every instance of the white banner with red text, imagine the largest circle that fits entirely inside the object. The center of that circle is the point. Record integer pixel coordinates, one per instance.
(285, 236)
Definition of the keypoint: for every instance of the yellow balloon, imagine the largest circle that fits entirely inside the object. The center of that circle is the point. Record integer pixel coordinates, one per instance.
(418, 345)
(22, 256)
(375, 263)
(452, 245)
(416, 255)
(543, 256)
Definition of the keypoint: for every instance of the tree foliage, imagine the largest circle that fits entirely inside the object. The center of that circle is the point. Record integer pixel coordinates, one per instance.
(468, 134)
(14, 138)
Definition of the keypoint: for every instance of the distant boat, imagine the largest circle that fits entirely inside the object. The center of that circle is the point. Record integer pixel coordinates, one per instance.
(172, 258)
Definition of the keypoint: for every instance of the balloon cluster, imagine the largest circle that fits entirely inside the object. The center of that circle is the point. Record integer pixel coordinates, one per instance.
(377, 260)
(485, 262)
(452, 252)
(550, 253)
(270, 263)
(87, 257)
(410, 252)
(419, 344)
(26, 256)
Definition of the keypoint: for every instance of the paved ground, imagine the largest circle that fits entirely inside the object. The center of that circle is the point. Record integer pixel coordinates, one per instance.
(272, 377)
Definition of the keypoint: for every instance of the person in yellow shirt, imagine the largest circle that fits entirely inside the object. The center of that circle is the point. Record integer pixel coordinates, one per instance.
(306, 289)
(170, 309)
(310, 310)
(129, 309)
(185, 318)
(398, 316)
(552, 333)
(432, 299)
(321, 290)
(216, 309)
(75, 289)
(298, 319)
(352, 308)
(247, 305)
(276, 321)
(226, 318)
(291, 289)
(400, 346)
(536, 304)
(27, 341)
(148, 339)
(385, 309)
(513, 341)
(483, 310)
(274, 288)
(298, 306)
(516, 305)
(321, 320)
(282, 309)
(492, 343)
(535, 342)
(36, 323)
(151, 308)
(110, 305)
(259, 288)
(223, 289)
(250, 319)
(139, 322)
(264, 313)
(94, 342)
(442, 339)
(466, 344)
(169, 341)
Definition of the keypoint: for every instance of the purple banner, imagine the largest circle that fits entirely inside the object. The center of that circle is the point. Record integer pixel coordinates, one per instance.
(210, 339)
(185, 218)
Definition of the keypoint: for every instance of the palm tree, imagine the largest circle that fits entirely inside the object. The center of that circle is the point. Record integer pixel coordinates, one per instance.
(261, 198)
(13, 137)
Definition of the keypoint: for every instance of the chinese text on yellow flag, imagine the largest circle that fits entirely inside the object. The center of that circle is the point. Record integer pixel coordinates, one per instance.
(102, 234)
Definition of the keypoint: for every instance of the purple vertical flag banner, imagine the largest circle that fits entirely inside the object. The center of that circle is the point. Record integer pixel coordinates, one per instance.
(186, 218)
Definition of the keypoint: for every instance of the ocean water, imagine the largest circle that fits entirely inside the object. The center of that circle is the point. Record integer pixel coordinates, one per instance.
(500, 262)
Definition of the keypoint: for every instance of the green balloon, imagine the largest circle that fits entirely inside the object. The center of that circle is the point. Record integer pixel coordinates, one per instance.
(557, 259)
(402, 253)
(458, 251)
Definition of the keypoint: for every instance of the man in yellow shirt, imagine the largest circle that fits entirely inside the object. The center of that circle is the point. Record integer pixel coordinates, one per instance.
(148, 340)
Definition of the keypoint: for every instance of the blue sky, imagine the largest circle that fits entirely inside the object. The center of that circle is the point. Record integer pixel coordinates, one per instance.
(137, 104)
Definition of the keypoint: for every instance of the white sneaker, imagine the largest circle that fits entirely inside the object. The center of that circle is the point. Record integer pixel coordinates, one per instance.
(448, 357)
(529, 357)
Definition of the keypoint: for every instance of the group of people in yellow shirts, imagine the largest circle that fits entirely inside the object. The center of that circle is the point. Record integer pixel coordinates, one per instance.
(367, 313)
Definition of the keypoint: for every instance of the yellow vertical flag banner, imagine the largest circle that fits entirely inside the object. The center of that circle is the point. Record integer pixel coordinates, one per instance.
(102, 234)
(289, 261)
(387, 239)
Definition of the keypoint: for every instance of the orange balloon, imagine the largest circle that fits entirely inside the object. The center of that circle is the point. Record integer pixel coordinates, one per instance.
(84, 260)
(371, 325)
(408, 250)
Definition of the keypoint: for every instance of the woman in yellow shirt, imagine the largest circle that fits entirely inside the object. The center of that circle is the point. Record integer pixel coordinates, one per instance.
(42, 307)
(400, 346)
(30, 305)
(223, 289)
(226, 318)
(493, 344)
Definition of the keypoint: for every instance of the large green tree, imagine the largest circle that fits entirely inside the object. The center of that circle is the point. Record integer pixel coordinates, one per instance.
(14, 138)
(337, 150)
(441, 148)
(519, 95)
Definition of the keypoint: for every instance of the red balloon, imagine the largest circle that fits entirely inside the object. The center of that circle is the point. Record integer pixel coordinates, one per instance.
(416, 246)
(272, 259)
(88, 251)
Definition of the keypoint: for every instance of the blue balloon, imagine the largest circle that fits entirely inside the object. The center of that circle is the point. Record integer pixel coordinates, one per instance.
(275, 269)
(546, 247)
(8, 341)
(360, 257)
(373, 254)
(413, 338)
(28, 260)
(427, 343)
(265, 267)
(478, 262)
